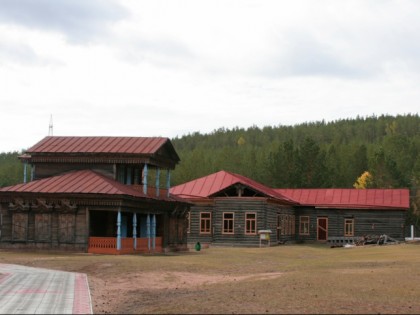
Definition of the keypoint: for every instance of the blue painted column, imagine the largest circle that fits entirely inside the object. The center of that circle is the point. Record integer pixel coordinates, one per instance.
(134, 230)
(25, 167)
(145, 171)
(168, 182)
(148, 232)
(157, 181)
(154, 232)
(119, 230)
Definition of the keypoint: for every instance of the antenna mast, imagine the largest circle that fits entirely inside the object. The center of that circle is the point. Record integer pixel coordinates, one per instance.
(50, 127)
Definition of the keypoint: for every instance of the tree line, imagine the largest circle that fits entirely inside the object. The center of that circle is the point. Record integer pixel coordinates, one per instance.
(308, 155)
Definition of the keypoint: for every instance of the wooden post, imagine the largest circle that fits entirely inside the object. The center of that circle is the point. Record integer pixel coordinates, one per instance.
(32, 172)
(157, 181)
(25, 166)
(135, 230)
(119, 230)
(87, 214)
(154, 231)
(168, 182)
(145, 179)
(148, 231)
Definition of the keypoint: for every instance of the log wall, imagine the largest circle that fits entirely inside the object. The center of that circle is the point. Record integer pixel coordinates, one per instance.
(43, 230)
(266, 220)
(378, 222)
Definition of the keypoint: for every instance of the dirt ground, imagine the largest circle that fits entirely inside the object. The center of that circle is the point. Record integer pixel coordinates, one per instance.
(284, 279)
(155, 284)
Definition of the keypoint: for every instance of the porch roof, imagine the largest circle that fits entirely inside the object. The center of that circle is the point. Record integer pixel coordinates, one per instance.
(83, 182)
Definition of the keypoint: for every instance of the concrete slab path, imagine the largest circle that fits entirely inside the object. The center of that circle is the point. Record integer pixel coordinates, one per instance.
(28, 290)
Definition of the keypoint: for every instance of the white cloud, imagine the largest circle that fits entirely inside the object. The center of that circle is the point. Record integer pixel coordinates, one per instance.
(144, 68)
(78, 20)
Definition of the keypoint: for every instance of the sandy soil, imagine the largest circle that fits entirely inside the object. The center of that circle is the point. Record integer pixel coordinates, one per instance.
(108, 294)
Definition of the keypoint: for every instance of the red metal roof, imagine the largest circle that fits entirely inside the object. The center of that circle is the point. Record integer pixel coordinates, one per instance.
(80, 182)
(351, 198)
(125, 145)
(209, 185)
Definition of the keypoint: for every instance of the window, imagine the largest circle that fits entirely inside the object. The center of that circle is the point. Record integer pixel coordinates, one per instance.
(205, 223)
(250, 223)
(348, 227)
(304, 225)
(286, 224)
(227, 223)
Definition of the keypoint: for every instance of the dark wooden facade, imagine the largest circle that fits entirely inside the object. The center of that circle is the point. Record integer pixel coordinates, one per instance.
(365, 222)
(265, 212)
(102, 202)
(344, 216)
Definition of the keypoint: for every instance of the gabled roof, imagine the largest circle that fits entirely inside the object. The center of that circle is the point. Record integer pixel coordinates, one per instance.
(115, 150)
(122, 145)
(212, 184)
(80, 182)
(350, 198)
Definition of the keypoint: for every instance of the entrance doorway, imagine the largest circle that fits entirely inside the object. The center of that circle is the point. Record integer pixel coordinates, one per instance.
(322, 229)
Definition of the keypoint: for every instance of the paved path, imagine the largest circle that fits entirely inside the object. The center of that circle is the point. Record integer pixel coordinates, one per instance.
(27, 290)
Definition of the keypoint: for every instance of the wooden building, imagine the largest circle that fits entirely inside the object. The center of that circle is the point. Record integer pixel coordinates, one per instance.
(95, 194)
(230, 209)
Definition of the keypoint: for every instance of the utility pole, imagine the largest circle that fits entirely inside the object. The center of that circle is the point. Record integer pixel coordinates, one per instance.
(50, 127)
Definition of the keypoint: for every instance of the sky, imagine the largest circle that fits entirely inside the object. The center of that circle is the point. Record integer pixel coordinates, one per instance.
(172, 68)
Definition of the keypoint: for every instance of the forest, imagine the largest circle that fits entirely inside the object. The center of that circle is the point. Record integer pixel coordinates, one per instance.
(364, 152)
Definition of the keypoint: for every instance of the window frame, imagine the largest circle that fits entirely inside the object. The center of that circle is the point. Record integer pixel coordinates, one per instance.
(302, 225)
(251, 220)
(207, 230)
(231, 229)
(349, 222)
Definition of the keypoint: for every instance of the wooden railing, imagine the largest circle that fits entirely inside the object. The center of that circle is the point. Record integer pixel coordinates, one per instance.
(103, 242)
(108, 245)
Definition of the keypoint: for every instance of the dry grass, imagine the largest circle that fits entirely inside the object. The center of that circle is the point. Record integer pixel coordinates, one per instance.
(284, 279)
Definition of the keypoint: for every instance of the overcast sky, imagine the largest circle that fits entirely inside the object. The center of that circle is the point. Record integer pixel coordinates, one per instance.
(169, 68)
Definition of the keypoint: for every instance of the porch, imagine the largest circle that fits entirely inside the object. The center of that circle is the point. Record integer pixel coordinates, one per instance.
(120, 232)
(124, 245)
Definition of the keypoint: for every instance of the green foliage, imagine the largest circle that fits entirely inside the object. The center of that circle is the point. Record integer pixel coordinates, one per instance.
(11, 169)
(316, 154)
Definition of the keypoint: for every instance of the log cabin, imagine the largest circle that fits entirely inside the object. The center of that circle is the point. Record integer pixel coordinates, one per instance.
(230, 209)
(107, 195)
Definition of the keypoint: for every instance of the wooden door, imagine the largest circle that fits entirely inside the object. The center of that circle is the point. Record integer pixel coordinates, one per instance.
(322, 229)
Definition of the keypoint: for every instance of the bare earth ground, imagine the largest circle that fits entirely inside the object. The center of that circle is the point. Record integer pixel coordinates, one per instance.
(284, 279)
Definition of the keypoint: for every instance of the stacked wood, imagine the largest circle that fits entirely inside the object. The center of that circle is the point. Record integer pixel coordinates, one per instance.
(376, 239)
